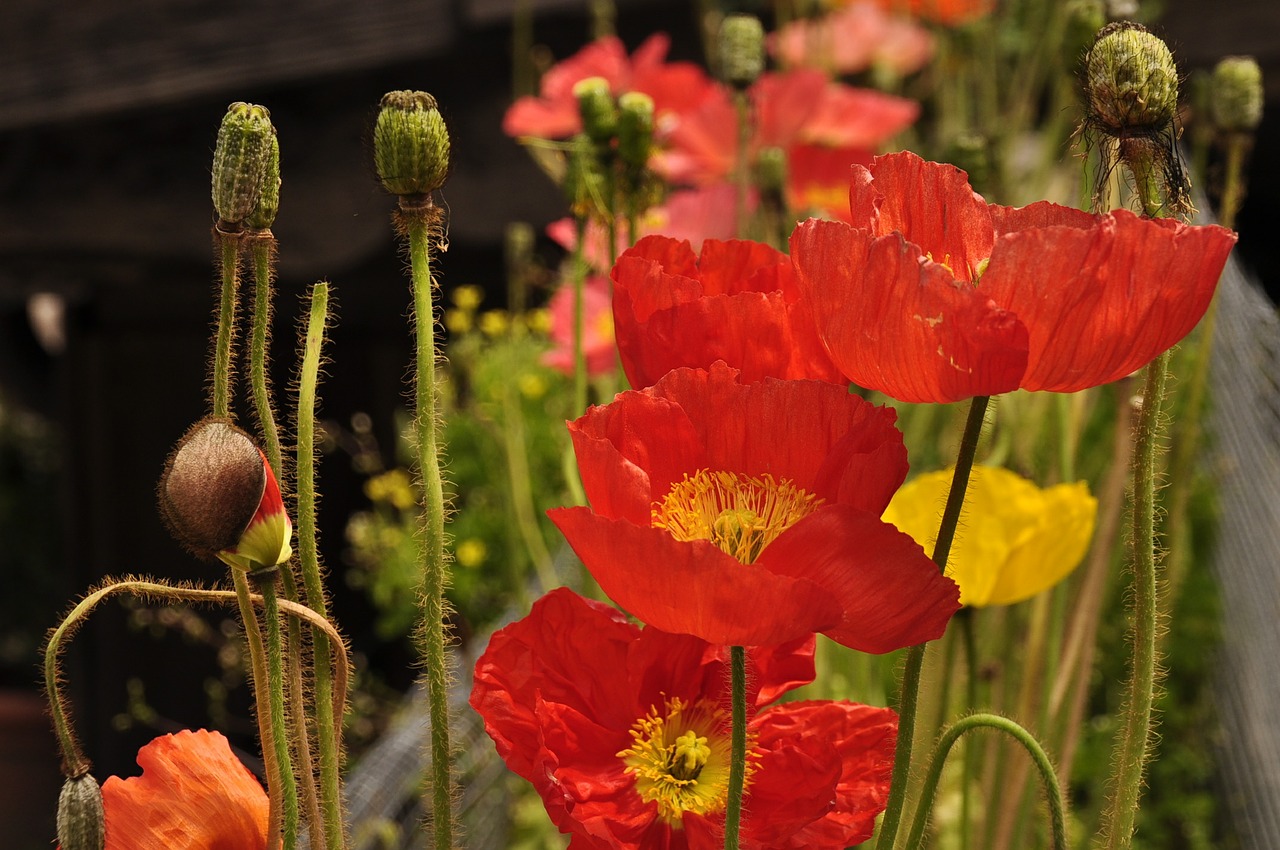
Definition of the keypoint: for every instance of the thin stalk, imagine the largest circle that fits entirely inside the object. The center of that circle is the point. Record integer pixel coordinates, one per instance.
(328, 714)
(223, 355)
(276, 715)
(1053, 791)
(418, 225)
(742, 180)
(737, 745)
(266, 733)
(910, 693)
(521, 491)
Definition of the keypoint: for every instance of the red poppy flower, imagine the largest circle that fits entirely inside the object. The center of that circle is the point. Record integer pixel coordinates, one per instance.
(193, 794)
(597, 338)
(793, 108)
(674, 86)
(935, 295)
(738, 302)
(946, 12)
(853, 39)
(749, 514)
(624, 732)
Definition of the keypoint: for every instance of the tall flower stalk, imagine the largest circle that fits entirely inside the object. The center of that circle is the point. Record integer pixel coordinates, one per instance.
(411, 150)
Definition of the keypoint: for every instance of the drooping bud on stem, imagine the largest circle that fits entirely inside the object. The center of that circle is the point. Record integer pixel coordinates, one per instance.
(597, 108)
(1236, 95)
(410, 145)
(741, 46)
(220, 498)
(81, 821)
(240, 162)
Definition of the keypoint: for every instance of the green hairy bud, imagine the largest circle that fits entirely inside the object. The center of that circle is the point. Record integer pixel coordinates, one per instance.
(410, 144)
(240, 161)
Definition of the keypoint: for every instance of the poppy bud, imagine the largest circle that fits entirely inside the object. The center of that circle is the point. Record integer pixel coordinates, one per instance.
(741, 50)
(1236, 95)
(598, 110)
(264, 212)
(635, 129)
(410, 144)
(1131, 80)
(220, 498)
(771, 170)
(81, 822)
(240, 161)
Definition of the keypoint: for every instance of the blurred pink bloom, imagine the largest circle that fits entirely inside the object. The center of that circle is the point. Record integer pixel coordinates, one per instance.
(850, 40)
(597, 332)
(674, 86)
(946, 12)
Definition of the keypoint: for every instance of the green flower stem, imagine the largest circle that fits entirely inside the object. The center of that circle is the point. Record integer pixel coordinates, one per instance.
(743, 172)
(276, 715)
(579, 319)
(229, 245)
(737, 745)
(262, 701)
(263, 250)
(1053, 791)
(434, 567)
(328, 713)
(1233, 181)
(910, 693)
(521, 492)
(1131, 751)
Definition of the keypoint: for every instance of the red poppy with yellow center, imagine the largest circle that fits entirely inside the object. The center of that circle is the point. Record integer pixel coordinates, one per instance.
(749, 514)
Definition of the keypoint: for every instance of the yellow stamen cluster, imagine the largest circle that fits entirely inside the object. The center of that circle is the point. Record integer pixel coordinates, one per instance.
(740, 514)
(680, 759)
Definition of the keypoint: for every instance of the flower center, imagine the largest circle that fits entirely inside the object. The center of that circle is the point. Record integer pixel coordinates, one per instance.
(680, 759)
(738, 513)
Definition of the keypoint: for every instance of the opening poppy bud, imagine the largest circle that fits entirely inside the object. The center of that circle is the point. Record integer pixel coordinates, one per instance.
(597, 108)
(81, 822)
(220, 499)
(264, 212)
(240, 161)
(741, 49)
(410, 143)
(635, 128)
(1131, 79)
(1236, 95)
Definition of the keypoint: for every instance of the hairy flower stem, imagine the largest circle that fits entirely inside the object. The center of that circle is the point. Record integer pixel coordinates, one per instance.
(328, 714)
(568, 465)
(417, 224)
(743, 174)
(262, 702)
(1053, 791)
(266, 587)
(910, 693)
(263, 250)
(737, 745)
(229, 248)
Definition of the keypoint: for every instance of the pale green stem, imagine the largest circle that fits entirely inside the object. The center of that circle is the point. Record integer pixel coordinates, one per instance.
(1053, 792)
(277, 717)
(229, 244)
(262, 700)
(737, 745)
(910, 693)
(328, 715)
(743, 171)
(521, 492)
(433, 563)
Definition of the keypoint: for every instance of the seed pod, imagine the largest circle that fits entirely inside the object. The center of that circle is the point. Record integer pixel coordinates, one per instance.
(240, 161)
(1236, 95)
(1131, 80)
(741, 45)
(81, 821)
(410, 144)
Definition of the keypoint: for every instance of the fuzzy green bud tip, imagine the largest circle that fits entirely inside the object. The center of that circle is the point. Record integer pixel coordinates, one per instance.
(741, 49)
(81, 822)
(410, 144)
(1236, 94)
(597, 108)
(1131, 80)
(264, 212)
(635, 128)
(240, 161)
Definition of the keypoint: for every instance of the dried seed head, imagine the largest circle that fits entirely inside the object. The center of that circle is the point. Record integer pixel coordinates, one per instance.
(741, 49)
(1131, 80)
(240, 161)
(410, 144)
(81, 822)
(1236, 95)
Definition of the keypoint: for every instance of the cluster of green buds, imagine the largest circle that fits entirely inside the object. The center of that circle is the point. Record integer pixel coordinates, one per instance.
(612, 152)
(246, 169)
(220, 498)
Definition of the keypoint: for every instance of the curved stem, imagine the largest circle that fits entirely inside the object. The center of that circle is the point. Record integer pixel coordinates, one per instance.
(737, 745)
(433, 564)
(910, 693)
(1053, 791)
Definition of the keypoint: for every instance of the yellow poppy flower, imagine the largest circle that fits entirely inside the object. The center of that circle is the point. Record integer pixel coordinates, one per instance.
(1014, 540)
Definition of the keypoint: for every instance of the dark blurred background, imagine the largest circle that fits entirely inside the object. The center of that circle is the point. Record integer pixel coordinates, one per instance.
(108, 114)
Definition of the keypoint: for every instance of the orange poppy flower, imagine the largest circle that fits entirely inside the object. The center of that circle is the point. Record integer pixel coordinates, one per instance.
(193, 794)
(934, 295)
(749, 514)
